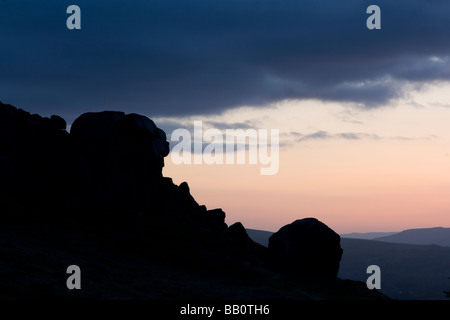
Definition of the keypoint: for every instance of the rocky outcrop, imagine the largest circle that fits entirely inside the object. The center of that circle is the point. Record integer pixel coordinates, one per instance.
(108, 168)
(34, 152)
(106, 176)
(307, 247)
(117, 161)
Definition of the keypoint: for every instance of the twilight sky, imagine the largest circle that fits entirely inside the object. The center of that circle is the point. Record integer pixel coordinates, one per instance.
(362, 114)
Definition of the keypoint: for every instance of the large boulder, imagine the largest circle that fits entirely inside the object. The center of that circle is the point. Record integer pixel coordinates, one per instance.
(110, 163)
(113, 131)
(106, 171)
(306, 247)
(119, 161)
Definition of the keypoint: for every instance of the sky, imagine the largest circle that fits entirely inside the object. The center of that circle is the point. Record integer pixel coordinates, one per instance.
(362, 114)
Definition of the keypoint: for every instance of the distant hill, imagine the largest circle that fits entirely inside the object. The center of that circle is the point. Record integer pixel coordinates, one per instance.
(262, 236)
(408, 272)
(259, 236)
(366, 235)
(439, 236)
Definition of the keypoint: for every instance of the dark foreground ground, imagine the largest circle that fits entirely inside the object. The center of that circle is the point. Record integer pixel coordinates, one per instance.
(136, 266)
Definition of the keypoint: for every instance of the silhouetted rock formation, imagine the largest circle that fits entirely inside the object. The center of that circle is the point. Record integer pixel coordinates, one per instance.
(33, 164)
(109, 168)
(118, 161)
(101, 186)
(307, 247)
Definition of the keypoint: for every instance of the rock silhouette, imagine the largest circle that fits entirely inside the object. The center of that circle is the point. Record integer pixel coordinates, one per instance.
(108, 167)
(307, 247)
(101, 186)
(118, 160)
(34, 157)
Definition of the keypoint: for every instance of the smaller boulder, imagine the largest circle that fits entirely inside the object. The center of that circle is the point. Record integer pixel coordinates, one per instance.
(58, 123)
(306, 247)
(215, 219)
(237, 230)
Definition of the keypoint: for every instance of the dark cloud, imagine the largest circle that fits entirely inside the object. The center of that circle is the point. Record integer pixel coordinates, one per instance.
(199, 57)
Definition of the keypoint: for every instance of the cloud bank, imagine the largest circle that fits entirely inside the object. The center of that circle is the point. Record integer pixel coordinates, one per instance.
(178, 58)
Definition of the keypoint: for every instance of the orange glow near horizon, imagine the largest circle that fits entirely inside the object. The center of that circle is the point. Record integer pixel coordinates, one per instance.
(348, 199)
(394, 176)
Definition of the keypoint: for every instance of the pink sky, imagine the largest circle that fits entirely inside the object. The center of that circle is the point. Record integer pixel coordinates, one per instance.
(394, 173)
